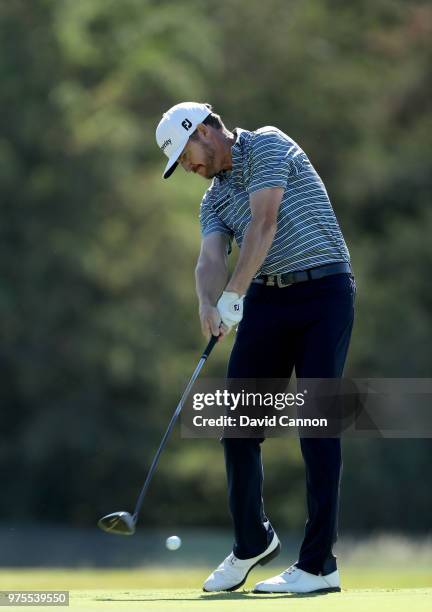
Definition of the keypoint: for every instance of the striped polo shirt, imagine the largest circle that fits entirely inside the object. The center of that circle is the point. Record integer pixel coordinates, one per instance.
(308, 234)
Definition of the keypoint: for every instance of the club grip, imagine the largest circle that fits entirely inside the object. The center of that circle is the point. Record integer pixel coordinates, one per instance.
(209, 347)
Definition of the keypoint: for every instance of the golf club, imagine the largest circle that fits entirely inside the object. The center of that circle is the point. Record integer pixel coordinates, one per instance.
(123, 523)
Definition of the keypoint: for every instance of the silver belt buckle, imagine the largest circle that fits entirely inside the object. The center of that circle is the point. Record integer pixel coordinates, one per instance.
(280, 284)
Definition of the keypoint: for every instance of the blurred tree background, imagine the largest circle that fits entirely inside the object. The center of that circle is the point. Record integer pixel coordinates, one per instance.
(99, 325)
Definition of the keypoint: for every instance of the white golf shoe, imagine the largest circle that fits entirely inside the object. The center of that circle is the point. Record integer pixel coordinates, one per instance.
(232, 572)
(295, 580)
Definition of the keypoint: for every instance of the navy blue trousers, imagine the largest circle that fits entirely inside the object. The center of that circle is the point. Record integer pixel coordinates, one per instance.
(306, 326)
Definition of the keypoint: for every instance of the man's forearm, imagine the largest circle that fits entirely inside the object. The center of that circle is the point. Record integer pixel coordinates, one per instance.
(211, 277)
(257, 241)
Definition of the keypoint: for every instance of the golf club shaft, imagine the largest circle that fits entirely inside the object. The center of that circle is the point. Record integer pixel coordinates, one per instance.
(186, 392)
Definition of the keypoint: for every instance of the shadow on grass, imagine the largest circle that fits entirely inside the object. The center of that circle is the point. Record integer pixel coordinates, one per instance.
(243, 595)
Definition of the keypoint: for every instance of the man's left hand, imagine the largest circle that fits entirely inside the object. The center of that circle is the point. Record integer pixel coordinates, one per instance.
(230, 307)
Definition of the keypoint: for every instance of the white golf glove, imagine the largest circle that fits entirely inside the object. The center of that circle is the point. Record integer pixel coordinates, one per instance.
(230, 308)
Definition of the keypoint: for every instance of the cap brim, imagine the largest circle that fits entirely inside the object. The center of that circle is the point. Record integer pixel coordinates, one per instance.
(172, 162)
(170, 170)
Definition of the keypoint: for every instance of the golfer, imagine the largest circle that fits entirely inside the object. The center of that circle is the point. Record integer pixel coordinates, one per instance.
(292, 296)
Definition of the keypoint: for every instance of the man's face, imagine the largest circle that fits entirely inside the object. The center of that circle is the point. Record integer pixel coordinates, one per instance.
(199, 156)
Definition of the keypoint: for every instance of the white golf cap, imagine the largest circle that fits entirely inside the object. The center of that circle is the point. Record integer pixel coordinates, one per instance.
(174, 129)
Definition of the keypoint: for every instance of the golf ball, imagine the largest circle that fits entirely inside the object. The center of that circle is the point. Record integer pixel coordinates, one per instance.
(173, 543)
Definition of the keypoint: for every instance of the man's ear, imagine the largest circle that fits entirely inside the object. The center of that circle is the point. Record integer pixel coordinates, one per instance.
(203, 130)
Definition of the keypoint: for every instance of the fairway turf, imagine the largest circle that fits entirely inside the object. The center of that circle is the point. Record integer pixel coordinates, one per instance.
(418, 600)
(372, 590)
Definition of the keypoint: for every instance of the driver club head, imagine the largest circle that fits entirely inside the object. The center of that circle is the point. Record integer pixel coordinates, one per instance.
(120, 523)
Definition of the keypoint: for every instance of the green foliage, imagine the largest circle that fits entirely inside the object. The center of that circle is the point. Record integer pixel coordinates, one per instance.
(100, 328)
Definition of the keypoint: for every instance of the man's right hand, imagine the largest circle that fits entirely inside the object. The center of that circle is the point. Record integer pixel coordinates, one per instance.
(211, 323)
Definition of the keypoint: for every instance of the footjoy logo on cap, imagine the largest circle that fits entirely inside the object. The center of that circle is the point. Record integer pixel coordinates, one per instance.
(166, 143)
(187, 124)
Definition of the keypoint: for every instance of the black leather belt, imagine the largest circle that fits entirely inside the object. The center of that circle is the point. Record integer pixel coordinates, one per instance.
(299, 276)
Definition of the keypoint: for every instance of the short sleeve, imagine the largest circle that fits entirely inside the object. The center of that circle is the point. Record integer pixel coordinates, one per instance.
(270, 160)
(209, 220)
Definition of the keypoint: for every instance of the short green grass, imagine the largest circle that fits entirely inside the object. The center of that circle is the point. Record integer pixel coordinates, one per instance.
(162, 589)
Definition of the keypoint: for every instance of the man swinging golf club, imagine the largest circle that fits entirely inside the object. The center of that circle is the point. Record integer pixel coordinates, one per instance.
(292, 296)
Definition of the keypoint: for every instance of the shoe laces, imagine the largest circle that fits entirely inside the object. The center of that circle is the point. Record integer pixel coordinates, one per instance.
(291, 570)
(227, 564)
(232, 559)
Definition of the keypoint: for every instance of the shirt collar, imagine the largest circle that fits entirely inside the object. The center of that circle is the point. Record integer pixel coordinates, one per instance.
(237, 146)
(235, 152)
